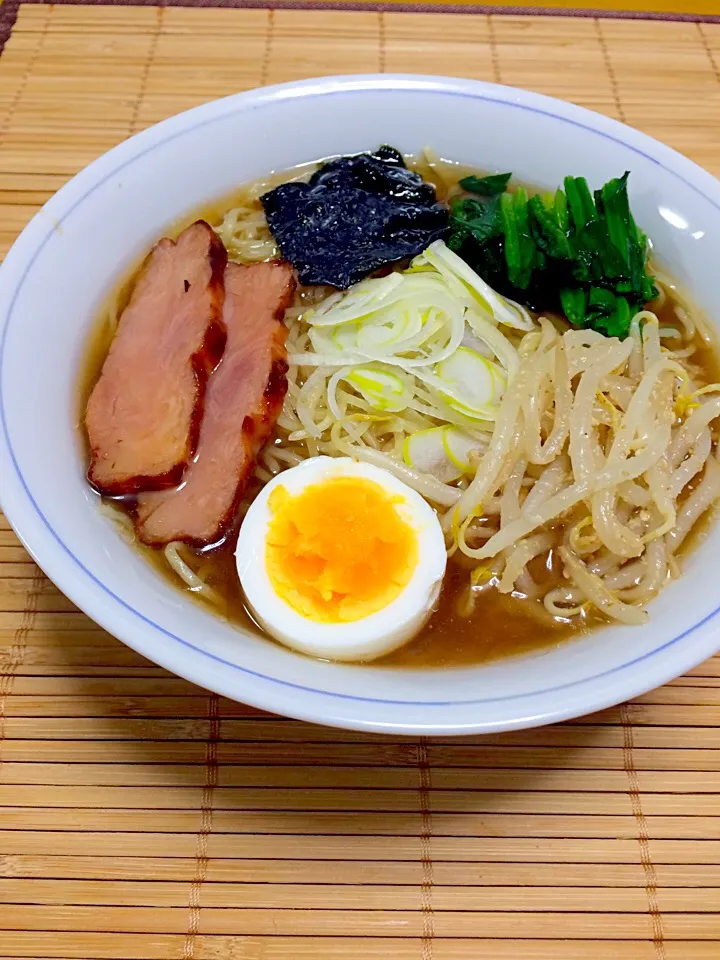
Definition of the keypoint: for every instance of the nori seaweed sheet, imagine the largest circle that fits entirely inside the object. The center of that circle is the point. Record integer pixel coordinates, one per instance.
(354, 215)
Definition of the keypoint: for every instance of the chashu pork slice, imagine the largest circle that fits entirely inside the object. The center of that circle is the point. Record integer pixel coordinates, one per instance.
(143, 415)
(244, 399)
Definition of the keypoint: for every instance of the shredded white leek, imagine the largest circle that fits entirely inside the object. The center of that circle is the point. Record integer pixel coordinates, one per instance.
(444, 452)
(407, 367)
(427, 339)
(464, 282)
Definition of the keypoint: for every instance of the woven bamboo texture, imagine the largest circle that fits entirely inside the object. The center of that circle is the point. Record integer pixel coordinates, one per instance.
(142, 818)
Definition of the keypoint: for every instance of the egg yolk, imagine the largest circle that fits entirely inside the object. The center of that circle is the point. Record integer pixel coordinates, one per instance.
(339, 550)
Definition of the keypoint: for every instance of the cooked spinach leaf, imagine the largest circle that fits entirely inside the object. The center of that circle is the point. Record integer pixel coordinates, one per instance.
(574, 250)
(491, 186)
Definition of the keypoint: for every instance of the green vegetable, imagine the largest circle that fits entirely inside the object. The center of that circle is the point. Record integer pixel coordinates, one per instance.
(560, 207)
(521, 251)
(477, 218)
(491, 186)
(550, 232)
(580, 202)
(574, 250)
(574, 305)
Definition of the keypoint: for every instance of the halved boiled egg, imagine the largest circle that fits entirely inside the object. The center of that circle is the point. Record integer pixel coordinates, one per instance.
(341, 560)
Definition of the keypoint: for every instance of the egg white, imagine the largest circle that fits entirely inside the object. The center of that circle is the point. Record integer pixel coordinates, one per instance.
(371, 636)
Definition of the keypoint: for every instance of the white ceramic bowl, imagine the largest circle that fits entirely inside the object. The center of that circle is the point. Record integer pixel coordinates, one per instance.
(88, 235)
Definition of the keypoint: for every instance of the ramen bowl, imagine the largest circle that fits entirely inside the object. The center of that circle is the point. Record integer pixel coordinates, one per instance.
(88, 236)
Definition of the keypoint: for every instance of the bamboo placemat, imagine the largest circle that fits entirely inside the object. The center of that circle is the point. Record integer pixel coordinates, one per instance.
(142, 818)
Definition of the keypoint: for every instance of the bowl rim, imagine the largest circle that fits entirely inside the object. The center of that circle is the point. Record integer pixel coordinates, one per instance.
(201, 666)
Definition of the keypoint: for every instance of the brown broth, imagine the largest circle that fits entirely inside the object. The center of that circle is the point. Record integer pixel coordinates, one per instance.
(500, 626)
(510, 625)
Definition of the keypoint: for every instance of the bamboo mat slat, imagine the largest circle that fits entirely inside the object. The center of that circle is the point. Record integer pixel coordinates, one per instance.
(142, 818)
